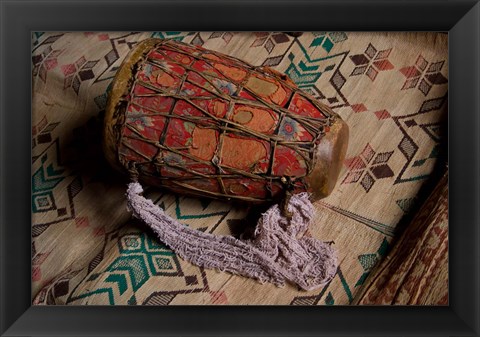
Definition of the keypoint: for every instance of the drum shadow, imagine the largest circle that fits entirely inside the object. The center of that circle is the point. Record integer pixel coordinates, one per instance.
(84, 156)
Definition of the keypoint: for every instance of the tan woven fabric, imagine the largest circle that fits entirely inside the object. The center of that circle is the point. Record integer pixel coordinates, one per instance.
(390, 88)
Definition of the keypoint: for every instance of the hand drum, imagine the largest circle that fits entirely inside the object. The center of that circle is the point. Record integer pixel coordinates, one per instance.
(202, 123)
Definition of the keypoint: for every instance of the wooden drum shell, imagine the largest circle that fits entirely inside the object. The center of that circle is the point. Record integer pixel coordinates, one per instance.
(201, 123)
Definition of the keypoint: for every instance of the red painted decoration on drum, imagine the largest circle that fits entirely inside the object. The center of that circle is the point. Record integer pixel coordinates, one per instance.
(203, 123)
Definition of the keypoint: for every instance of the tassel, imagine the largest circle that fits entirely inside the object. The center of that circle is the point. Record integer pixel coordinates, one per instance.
(278, 252)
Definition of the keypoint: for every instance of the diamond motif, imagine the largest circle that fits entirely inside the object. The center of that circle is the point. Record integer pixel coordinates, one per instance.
(367, 182)
(371, 62)
(407, 147)
(368, 261)
(163, 263)
(130, 243)
(423, 75)
(362, 168)
(382, 114)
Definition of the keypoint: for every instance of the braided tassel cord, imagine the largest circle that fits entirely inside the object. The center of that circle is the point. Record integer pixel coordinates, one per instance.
(278, 252)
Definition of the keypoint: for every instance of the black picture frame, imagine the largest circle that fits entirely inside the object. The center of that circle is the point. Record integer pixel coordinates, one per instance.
(18, 18)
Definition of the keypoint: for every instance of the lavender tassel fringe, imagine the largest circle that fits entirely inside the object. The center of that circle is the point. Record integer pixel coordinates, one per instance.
(278, 252)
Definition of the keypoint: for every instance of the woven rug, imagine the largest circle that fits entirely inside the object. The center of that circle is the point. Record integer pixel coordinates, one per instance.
(390, 88)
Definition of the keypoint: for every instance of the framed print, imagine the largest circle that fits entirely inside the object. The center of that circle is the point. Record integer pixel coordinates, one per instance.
(176, 75)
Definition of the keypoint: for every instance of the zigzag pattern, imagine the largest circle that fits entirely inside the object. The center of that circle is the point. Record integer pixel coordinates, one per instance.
(408, 145)
(306, 71)
(45, 179)
(140, 258)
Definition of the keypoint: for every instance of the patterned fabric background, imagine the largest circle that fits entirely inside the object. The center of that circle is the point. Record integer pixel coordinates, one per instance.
(390, 88)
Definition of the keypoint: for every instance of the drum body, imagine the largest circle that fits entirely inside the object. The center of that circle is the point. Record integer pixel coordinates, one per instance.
(198, 122)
